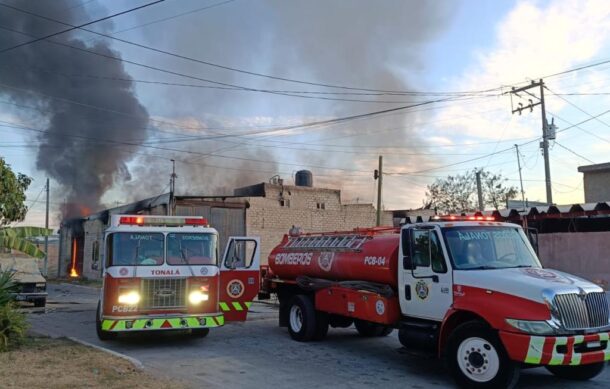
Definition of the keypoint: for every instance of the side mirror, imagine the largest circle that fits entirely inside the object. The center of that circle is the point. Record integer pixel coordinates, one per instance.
(532, 235)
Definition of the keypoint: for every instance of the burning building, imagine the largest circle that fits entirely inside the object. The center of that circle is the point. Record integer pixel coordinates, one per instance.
(267, 210)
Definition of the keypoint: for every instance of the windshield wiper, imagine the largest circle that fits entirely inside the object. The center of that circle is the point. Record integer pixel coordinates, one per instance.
(188, 264)
(482, 267)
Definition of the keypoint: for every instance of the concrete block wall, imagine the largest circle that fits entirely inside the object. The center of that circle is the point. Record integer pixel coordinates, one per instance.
(94, 235)
(584, 254)
(268, 219)
(302, 197)
(597, 186)
(65, 252)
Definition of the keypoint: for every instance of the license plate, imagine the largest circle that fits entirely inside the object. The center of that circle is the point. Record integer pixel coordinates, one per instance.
(20, 298)
(593, 344)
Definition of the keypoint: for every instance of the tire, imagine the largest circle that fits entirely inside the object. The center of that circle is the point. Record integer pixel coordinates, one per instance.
(577, 373)
(302, 324)
(321, 325)
(402, 338)
(369, 329)
(101, 334)
(387, 330)
(200, 332)
(40, 303)
(477, 358)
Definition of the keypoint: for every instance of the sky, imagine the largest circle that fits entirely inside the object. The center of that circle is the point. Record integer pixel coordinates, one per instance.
(223, 138)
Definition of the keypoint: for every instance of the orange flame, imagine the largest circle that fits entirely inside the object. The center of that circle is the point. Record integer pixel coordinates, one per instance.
(73, 272)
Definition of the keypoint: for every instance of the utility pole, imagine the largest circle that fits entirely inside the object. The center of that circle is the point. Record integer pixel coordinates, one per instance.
(520, 177)
(379, 177)
(480, 191)
(46, 237)
(172, 188)
(546, 135)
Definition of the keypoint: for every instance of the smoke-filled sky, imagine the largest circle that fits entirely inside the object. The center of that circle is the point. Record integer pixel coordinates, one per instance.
(110, 127)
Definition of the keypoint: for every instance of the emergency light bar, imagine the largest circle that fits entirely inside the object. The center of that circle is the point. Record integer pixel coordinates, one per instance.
(447, 218)
(162, 221)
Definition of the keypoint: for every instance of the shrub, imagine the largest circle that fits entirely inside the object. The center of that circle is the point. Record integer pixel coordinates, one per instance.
(13, 327)
(13, 324)
(7, 286)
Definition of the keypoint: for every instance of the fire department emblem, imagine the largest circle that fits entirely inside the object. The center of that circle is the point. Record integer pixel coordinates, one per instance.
(235, 289)
(421, 289)
(380, 307)
(325, 260)
(123, 271)
(546, 275)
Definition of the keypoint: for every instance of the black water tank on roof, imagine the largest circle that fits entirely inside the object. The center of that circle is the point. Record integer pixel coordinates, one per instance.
(303, 178)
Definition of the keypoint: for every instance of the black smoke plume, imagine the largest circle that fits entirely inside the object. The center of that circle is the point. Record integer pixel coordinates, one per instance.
(90, 126)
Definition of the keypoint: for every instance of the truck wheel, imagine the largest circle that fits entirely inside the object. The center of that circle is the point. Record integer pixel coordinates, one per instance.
(387, 330)
(302, 319)
(321, 325)
(477, 359)
(577, 373)
(369, 329)
(39, 303)
(200, 332)
(101, 334)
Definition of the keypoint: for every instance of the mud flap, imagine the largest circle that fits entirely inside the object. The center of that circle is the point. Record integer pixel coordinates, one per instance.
(239, 277)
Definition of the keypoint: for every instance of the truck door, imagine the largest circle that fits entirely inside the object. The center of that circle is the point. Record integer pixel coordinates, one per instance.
(424, 275)
(239, 277)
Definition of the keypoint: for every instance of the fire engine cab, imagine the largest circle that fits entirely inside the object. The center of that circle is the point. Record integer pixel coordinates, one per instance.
(164, 273)
(471, 290)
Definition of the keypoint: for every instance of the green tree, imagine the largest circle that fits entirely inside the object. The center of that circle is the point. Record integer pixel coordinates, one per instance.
(455, 194)
(12, 194)
(12, 209)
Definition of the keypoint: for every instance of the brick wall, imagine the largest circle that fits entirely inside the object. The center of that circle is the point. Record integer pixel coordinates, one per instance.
(92, 251)
(312, 209)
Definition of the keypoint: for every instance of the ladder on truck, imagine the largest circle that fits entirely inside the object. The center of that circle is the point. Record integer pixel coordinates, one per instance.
(349, 242)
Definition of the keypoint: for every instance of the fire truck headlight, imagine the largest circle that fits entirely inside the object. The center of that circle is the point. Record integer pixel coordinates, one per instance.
(129, 298)
(532, 327)
(196, 297)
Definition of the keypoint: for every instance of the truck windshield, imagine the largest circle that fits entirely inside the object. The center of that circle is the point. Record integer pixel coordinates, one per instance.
(135, 249)
(191, 249)
(475, 248)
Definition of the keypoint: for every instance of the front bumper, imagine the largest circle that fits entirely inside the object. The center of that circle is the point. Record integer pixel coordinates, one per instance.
(160, 323)
(34, 296)
(557, 350)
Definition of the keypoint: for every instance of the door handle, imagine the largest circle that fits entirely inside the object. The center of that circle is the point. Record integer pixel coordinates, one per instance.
(407, 292)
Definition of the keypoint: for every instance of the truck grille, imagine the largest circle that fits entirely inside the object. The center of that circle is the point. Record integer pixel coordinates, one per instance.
(577, 312)
(163, 293)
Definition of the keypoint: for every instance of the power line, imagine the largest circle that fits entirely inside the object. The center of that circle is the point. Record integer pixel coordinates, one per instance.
(212, 154)
(74, 27)
(173, 17)
(586, 113)
(573, 152)
(275, 130)
(228, 85)
(218, 65)
(577, 69)
(498, 152)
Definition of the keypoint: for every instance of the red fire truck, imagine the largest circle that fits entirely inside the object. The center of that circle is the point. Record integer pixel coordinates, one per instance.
(163, 273)
(472, 291)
